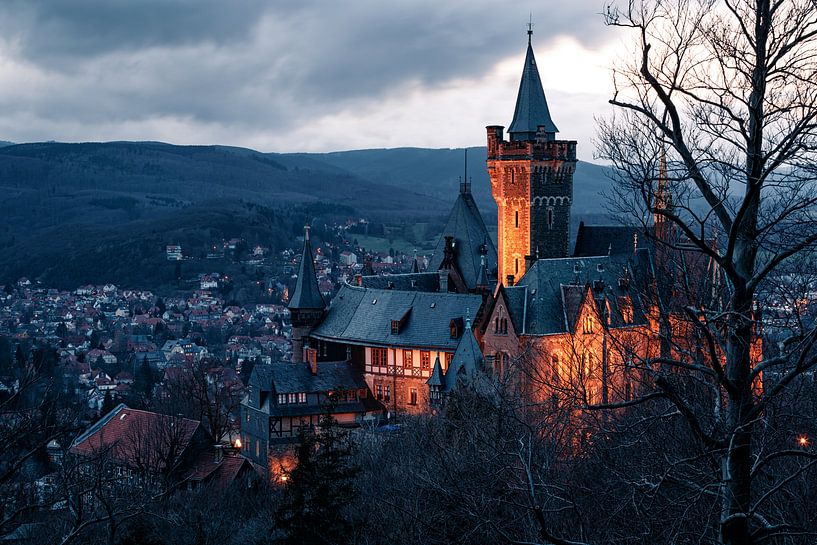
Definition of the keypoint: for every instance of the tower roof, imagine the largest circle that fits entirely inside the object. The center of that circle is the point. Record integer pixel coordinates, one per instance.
(467, 360)
(471, 239)
(531, 106)
(306, 294)
(436, 378)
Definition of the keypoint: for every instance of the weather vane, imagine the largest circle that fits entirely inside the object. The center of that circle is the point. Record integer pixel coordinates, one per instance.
(530, 26)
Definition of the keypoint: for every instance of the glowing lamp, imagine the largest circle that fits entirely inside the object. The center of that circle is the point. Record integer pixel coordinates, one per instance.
(803, 441)
(238, 443)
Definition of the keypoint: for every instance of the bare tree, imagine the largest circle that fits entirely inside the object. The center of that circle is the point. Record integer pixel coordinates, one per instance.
(726, 92)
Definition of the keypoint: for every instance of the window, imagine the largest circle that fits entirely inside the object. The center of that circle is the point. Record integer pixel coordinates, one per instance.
(554, 364)
(516, 219)
(302, 397)
(587, 324)
(395, 327)
(379, 357)
(379, 391)
(448, 357)
(516, 264)
(626, 306)
(425, 359)
(550, 218)
(408, 359)
(282, 399)
(293, 398)
(248, 417)
(496, 324)
(387, 397)
(413, 396)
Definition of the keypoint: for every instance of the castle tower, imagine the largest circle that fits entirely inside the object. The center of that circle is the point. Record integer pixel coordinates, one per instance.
(306, 306)
(531, 180)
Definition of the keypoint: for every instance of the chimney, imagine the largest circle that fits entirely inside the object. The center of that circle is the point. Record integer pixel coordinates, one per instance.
(311, 358)
(443, 280)
(494, 138)
(510, 280)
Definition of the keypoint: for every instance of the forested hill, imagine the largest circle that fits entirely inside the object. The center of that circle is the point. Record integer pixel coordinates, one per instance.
(92, 212)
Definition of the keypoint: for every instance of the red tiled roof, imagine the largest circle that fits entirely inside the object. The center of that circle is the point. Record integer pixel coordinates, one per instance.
(135, 437)
(218, 475)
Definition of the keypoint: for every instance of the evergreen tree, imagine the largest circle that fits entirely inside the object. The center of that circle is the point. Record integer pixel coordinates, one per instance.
(62, 330)
(320, 489)
(145, 380)
(20, 357)
(108, 404)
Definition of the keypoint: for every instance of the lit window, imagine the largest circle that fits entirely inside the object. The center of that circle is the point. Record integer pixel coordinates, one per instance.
(379, 391)
(413, 396)
(448, 357)
(587, 324)
(379, 357)
(302, 397)
(408, 357)
(388, 392)
(282, 399)
(425, 359)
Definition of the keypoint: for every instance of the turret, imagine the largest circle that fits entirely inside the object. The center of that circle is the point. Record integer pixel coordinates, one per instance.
(306, 306)
(531, 179)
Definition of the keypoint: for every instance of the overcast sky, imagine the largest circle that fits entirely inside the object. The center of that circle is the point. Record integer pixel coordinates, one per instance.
(295, 75)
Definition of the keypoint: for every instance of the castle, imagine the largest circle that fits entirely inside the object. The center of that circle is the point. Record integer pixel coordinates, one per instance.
(397, 344)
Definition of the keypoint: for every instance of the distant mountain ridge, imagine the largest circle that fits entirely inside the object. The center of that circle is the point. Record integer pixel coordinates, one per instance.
(64, 202)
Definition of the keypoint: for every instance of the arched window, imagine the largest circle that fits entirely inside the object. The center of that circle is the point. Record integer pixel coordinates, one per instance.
(554, 366)
(516, 219)
(587, 324)
(550, 218)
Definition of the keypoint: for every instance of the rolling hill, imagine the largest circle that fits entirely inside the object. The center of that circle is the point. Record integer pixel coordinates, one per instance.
(97, 212)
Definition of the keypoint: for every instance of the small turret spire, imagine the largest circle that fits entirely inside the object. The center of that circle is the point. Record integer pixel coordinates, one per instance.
(306, 294)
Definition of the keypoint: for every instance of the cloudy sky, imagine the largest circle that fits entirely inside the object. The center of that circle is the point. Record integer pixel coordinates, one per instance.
(289, 75)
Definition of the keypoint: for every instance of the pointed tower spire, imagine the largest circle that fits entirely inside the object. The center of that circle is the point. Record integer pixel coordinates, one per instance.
(306, 294)
(531, 106)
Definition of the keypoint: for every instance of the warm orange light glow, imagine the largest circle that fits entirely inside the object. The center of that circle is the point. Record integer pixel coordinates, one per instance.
(284, 477)
(803, 441)
(238, 443)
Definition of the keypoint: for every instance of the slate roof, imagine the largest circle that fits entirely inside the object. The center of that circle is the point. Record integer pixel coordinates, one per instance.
(547, 298)
(360, 315)
(531, 106)
(306, 294)
(615, 240)
(466, 225)
(467, 360)
(287, 378)
(417, 281)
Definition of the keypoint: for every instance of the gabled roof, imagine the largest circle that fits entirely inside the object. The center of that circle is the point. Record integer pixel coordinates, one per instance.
(306, 294)
(466, 225)
(363, 316)
(134, 437)
(467, 360)
(531, 106)
(549, 296)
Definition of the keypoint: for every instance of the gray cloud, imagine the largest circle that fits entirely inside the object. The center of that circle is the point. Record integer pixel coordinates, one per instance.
(247, 66)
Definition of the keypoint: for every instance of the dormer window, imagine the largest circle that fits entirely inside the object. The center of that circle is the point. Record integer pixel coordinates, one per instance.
(395, 327)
